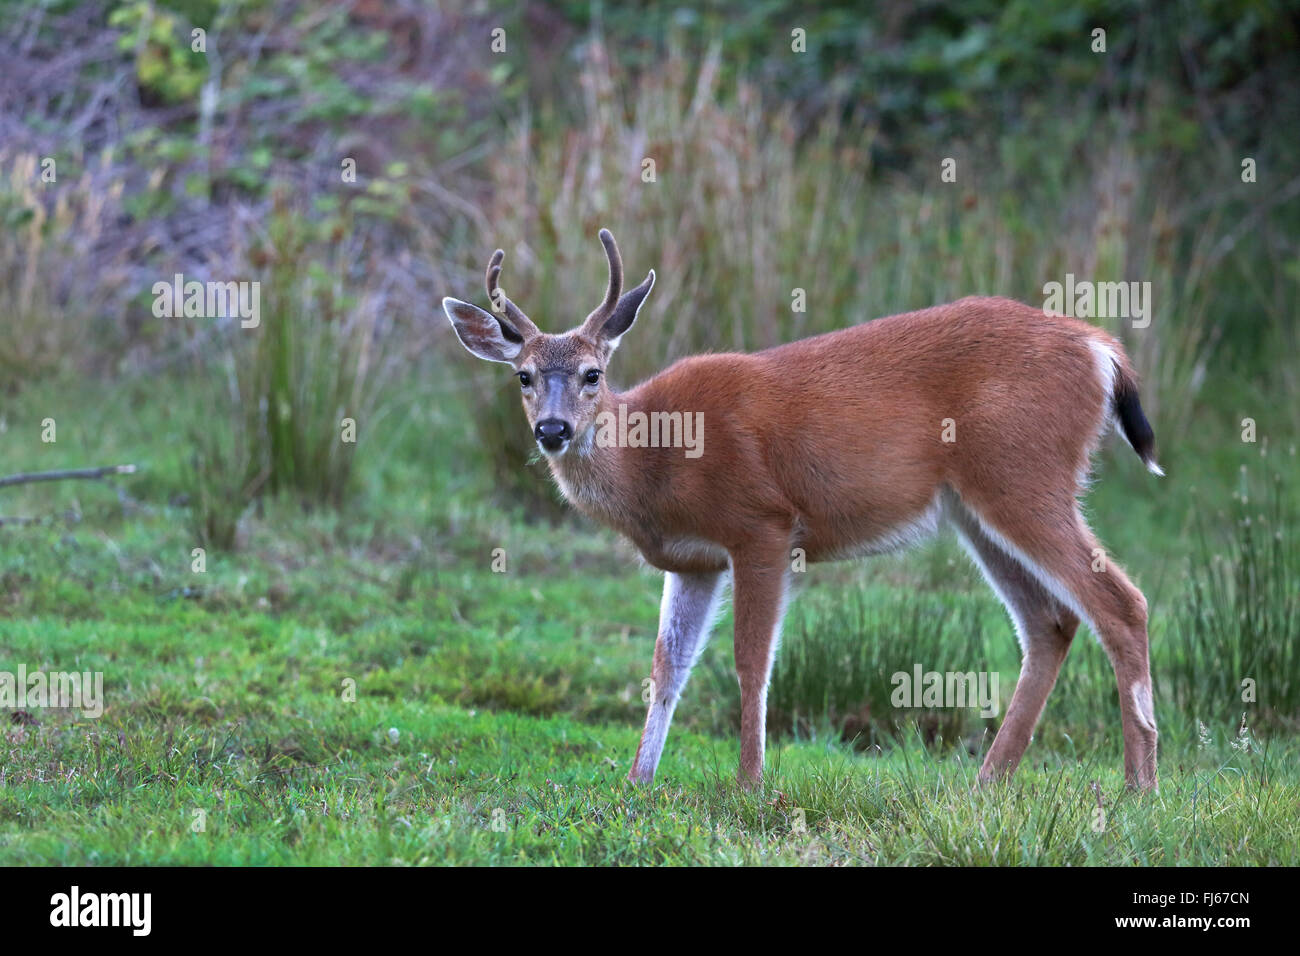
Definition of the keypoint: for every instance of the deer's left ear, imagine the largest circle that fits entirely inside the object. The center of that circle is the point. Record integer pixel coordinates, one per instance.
(625, 313)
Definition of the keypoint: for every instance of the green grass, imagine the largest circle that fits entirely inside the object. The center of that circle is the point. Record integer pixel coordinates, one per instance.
(241, 717)
(516, 696)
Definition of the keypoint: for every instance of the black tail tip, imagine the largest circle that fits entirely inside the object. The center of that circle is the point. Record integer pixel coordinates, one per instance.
(1134, 422)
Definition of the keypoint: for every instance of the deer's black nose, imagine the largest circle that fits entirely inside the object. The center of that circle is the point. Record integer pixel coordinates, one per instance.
(552, 433)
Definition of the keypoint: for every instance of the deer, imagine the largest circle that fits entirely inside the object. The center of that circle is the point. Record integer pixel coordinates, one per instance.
(981, 415)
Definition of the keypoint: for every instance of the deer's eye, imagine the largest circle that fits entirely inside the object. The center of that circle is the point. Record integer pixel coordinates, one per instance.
(592, 376)
(525, 379)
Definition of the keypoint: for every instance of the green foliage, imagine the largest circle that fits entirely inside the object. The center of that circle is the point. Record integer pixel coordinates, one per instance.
(926, 75)
(166, 65)
(308, 69)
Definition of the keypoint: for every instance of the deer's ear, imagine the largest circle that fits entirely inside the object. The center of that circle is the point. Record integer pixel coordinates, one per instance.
(625, 312)
(488, 336)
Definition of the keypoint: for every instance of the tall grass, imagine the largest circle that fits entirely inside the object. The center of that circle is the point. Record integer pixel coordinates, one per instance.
(295, 395)
(50, 293)
(840, 650)
(1240, 624)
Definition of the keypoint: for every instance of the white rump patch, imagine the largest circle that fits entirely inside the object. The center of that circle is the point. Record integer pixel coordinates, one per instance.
(1107, 368)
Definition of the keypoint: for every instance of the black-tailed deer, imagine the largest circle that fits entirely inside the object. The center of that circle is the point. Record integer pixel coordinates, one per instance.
(981, 414)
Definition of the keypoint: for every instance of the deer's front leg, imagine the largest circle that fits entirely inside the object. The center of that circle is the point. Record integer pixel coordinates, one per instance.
(758, 603)
(689, 604)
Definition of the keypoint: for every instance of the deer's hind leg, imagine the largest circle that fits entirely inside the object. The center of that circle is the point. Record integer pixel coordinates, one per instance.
(1045, 628)
(1047, 536)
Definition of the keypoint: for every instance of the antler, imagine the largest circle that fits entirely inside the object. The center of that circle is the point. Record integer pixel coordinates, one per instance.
(500, 303)
(615, 289)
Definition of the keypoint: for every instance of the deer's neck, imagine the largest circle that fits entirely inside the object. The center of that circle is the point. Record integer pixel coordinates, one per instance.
(594, 475)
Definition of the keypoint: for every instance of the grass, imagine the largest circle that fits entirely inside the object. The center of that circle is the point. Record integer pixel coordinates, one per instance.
(515, 697)
(290, 394)
(44, 305)
(240, 715)
(470, 787)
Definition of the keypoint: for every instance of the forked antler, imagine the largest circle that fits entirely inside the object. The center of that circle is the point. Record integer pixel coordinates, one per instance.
(500, 304)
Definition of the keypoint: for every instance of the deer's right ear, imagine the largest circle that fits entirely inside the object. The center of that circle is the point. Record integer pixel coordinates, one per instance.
(488, 336)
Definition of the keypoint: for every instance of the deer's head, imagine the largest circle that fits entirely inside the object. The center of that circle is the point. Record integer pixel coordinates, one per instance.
(562, 377)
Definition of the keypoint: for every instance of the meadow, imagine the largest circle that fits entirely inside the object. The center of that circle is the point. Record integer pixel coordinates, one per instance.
(341, 613)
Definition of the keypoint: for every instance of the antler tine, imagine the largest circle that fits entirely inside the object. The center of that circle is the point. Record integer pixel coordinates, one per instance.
(499, 301)
(615, 272)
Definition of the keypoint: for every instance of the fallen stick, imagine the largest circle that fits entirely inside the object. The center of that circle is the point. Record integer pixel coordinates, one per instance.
(67, 474)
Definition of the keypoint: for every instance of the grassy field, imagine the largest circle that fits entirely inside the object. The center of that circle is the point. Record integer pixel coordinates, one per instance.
(405, 648)
(359, 687)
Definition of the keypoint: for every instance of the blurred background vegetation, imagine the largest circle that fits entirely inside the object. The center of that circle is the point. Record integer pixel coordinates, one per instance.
(775, 170)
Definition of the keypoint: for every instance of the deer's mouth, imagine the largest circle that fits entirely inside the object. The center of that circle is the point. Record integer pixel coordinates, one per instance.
(554, 447)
